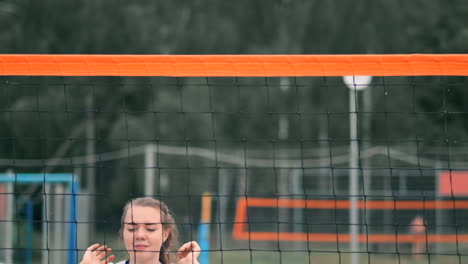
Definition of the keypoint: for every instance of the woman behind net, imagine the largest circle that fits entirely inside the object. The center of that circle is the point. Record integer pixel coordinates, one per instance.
(149, 232)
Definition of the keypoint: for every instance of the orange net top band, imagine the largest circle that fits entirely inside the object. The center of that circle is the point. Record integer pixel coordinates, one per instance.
(234, 65)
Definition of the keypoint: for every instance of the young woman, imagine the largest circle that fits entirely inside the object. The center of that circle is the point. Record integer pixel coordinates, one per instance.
(149, 231)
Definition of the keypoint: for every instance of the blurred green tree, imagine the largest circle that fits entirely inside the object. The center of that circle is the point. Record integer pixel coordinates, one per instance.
(34, 128)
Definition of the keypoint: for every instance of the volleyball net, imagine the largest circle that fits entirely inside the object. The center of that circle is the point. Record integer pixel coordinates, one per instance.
(262, 158)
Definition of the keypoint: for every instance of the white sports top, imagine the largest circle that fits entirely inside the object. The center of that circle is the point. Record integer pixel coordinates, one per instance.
(124, 262)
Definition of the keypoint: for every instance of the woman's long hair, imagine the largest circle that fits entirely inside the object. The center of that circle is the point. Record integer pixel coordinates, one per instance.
(167, 221)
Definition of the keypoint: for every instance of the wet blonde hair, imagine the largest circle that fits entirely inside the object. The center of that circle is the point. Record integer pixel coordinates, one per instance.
(167, 221)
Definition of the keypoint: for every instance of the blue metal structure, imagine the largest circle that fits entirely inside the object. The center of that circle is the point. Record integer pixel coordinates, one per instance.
(73, 184)
(204, 240)
(29, 232)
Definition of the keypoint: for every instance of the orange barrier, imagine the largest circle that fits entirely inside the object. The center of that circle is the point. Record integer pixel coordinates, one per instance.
(240, 229)
(345, 204)
(345, 238)
(234, 65)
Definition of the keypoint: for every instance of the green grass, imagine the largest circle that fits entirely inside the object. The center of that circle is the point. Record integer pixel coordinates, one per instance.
(257, 252)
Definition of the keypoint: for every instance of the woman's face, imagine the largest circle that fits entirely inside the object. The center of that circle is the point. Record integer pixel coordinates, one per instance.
(143, 234)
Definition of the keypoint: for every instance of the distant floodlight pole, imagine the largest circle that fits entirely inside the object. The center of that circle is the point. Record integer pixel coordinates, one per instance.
(355, 84)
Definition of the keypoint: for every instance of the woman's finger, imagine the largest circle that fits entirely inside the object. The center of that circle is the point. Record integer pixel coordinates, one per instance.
(97, 254)
(183, 250)
(103, 251)
(195, 249)
(191, 248)
(108, 259)
(93, 247)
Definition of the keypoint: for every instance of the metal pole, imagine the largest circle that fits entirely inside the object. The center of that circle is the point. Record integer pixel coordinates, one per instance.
(29, 230)
(149, 170)
(355, 84)
(297, 189)
(353, 185)
(90, 161)
(223, 196)
(83, 217)
(10, 202)
(59, 221)
(74, 189)
(283, 174)
(439, 217)
(366, 163)
(45, 226)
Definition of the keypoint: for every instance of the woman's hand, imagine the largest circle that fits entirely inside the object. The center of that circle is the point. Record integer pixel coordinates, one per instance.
(188, 253)
(97, 254)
